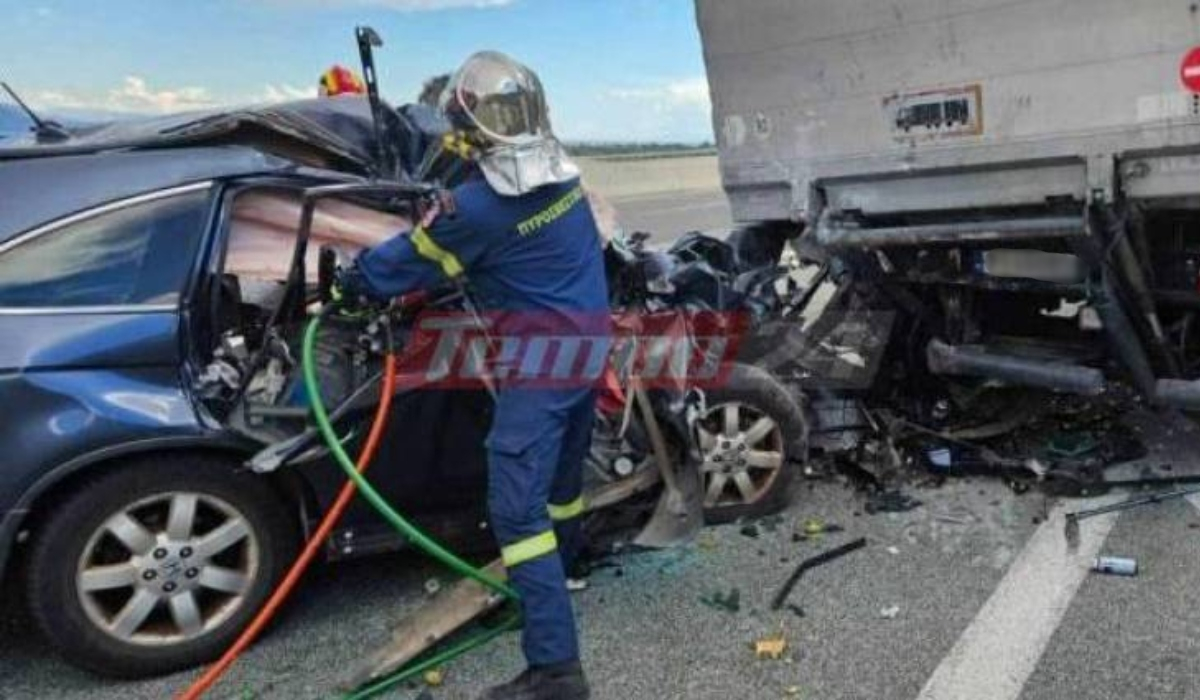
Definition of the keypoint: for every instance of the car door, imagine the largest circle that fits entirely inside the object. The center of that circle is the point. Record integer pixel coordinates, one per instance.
(90, 332)
(430, 463)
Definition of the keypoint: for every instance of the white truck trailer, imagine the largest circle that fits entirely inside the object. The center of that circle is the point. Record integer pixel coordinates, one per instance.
(1015, 182)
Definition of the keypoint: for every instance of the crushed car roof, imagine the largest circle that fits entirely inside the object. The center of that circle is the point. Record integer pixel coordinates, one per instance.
(35, 186)
(333, 133)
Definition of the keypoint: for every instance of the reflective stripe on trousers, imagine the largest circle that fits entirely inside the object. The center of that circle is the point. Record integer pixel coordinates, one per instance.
(535, 459)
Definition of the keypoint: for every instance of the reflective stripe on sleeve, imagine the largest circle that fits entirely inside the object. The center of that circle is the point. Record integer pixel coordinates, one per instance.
(529, 548)
(566, 511)
(430, 250)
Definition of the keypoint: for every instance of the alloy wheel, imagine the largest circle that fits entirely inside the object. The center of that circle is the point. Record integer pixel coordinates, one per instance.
(168, 568)
(743, 450)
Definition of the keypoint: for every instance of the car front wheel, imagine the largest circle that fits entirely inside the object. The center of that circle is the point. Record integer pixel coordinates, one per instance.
(751, 437)
(156, 565)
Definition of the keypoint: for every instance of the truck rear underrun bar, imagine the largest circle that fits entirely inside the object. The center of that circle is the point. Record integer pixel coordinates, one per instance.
(840, 234)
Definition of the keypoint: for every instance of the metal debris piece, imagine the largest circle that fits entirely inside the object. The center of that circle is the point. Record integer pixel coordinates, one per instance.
(890, 502)
(1071, 526)
(1116, 566)
(772, 647)
(432, 586)
(893, 550)
(1072, 445)
(890, 612)
(953, 519)
(812, 563)
(679, 515)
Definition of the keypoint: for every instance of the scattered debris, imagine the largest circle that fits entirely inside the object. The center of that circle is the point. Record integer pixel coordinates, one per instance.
(771, 523)
(812, 563)
(813, 528)
(793, 691)
(1071, 526)
(576, 585)
(890, 612)
(730, 602)
(893, 550)
(1072, 445)
(750, 531)
(432, 586)
(1116, 566)
(772, 647)
(434, 677)
(893, 501)
(953, 519)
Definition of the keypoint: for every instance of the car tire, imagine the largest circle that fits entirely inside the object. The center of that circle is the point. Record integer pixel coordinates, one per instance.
(751, 436)
(157, 564)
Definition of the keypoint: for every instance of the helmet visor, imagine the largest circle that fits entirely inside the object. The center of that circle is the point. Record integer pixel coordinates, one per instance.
(500, 97)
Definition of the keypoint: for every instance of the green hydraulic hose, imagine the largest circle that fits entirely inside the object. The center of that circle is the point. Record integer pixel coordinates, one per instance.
(414, 534)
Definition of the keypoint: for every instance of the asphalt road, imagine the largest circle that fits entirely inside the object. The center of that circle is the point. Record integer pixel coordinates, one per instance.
(973, 568)
(667, 216)
(989, 605)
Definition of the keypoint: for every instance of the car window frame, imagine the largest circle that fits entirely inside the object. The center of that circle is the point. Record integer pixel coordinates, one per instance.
(56, 225)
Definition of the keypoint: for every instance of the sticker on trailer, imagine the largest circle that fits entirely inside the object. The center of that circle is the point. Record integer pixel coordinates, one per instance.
(936, 114)
(1189, 70)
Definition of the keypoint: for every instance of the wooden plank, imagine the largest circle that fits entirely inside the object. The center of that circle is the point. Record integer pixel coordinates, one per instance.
(468, 599)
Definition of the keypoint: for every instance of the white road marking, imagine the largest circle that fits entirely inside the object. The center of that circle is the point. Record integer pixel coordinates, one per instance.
(1001, 647)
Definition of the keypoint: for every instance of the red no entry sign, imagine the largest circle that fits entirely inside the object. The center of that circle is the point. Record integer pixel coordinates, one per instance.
(1189, 72)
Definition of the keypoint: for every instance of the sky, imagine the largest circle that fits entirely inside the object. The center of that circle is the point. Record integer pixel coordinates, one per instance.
(614, 70)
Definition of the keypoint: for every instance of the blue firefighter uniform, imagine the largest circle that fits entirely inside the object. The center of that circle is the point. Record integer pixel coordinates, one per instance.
(538, 254)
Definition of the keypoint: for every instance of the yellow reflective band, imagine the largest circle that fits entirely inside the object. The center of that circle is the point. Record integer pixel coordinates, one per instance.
(567, 510)
(430, 250)
(458, 144)
(529, 548)
(551, 213)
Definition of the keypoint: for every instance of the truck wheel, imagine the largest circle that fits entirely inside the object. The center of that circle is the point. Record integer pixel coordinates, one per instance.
(157, 564)
(751, 435)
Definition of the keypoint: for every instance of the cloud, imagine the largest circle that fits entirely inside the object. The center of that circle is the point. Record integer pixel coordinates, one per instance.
(664, 110)
(272, 94)
(689, 92)
(136, 95)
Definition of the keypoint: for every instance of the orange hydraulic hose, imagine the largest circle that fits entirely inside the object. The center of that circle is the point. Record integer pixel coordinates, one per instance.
(285, 587)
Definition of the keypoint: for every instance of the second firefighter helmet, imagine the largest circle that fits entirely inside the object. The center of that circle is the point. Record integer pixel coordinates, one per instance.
(339, 80)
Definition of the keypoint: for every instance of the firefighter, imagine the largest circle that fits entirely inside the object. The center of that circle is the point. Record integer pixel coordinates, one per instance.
(522, 234)
(339, 80)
